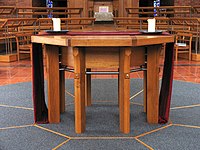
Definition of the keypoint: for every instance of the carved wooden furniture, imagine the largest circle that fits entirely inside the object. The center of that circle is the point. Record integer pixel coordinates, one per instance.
(83, 50)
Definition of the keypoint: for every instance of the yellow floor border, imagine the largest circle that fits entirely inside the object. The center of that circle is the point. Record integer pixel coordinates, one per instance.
(17, 127)
(134, 103)
(144, 144)
(152, 131)
(57, 133)
(101, 138)
(187, 126)
(138, 93)
(61, 144)
(188, 106)
(69, 93)
(19, 107)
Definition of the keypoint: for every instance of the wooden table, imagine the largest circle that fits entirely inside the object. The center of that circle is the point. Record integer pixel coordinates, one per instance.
(95, 50)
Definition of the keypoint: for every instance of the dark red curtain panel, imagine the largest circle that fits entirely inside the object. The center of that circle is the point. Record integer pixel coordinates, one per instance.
(166, 86)
(40, 108)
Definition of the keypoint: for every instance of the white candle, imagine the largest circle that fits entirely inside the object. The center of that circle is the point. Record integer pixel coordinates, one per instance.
(151, 25)
(56, 24)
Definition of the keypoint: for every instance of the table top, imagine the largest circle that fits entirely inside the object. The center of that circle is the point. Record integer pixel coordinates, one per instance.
(108, 38)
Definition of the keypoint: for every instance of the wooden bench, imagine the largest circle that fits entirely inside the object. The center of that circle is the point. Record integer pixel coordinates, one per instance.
(41, 12)
(7, 11)
(11, 28)
(78, 22)
(159, 11)
(66, 23)
(137, 23)
(14, 23)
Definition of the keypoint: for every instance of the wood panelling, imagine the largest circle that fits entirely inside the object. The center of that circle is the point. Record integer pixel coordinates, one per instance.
(17, 2)
(115, 5)
(126, 3)
(106, 3)
(79, 4)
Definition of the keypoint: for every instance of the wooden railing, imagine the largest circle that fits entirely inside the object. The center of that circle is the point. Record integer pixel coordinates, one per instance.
(16, 22)
(66, 23)
(20, 24)
(139, 23)
(12, 27)
(7, 11)
(39, 12)
(172, 25)
(43, 12)
(63, 12)
(167, 11)
(197, 9)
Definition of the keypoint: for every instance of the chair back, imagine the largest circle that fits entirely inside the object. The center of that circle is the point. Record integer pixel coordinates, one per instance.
(183, 44)
(23, 41)
(184, 39)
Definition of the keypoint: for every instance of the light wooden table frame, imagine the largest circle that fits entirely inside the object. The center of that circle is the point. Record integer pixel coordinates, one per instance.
(94, 51)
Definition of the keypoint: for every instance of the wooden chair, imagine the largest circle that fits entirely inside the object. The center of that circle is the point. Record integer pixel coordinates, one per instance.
(24, 46)
(183, 44)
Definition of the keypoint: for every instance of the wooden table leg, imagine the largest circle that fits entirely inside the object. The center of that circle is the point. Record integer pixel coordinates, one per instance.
(153, 55)
(124, 89)
(88, 89)
(53, 83)
(79, 89)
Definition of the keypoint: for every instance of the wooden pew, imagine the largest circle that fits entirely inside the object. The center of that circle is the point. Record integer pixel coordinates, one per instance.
(66, 23)
(10, 28)
(7, 11)
(83, 23)
(166, 11)
(192, 24)
(196, 9)
(14, 23)
(43, 12)
(139, 23)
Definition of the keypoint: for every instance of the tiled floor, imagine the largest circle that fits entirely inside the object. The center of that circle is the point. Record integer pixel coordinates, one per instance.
(15, 72)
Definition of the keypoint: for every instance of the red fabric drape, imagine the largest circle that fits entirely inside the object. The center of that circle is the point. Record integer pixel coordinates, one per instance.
(40, 109)
(166, 86)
